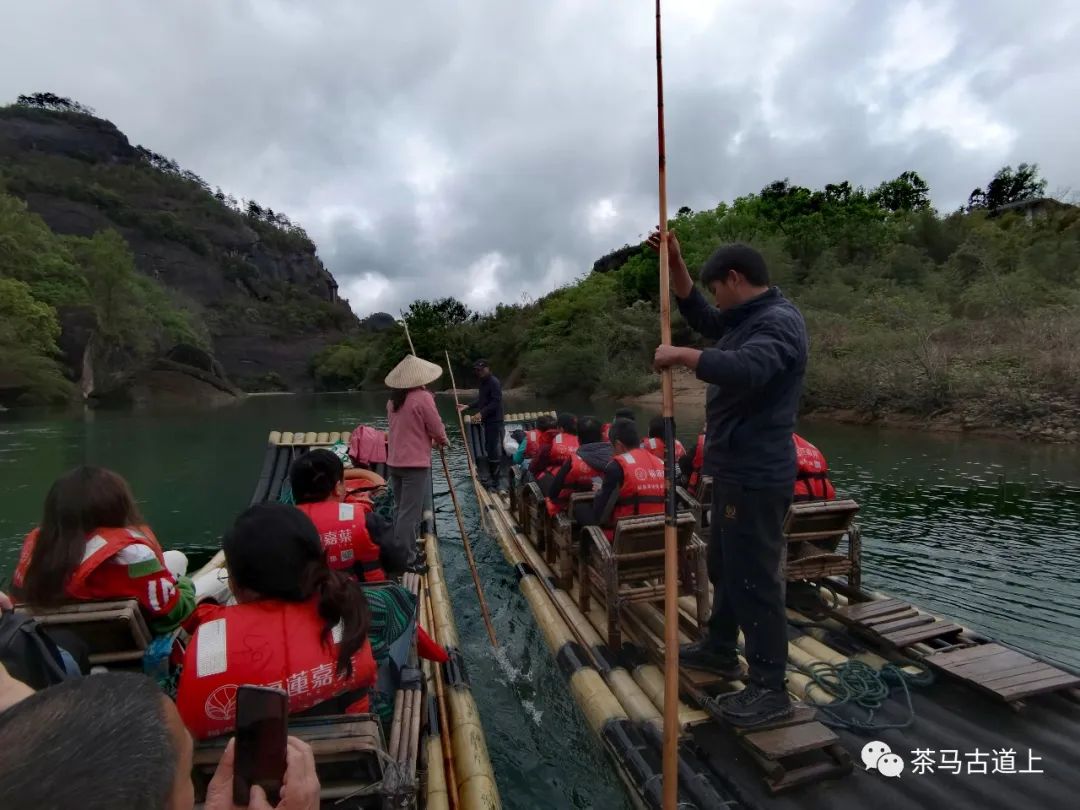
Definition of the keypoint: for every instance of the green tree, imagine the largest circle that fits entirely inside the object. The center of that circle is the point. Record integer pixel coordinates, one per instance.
(28, 334)
(1009, 186)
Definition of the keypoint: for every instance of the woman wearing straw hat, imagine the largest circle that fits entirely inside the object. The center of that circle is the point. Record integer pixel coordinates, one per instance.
(414, 426)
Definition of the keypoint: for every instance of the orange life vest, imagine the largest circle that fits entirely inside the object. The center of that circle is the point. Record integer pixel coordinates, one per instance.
(581, 477)
(812, 473)
(656, 447)
(695, 467)
(266, 643)
(101, 545)
(532, 443)
(643, 486)
(562, 449)
(345, 537)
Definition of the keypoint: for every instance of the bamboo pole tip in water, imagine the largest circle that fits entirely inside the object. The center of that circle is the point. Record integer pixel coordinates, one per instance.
(323, 438)
(333, 437)
(275, 437)
(286, 437)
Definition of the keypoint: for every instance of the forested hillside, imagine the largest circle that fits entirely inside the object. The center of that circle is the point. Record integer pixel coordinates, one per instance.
(111, 255)
(971, 315)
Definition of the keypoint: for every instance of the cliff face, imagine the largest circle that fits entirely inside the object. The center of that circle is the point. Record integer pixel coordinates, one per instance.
(252, 276)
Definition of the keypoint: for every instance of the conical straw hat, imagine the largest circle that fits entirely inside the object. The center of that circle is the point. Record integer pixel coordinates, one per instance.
(412, 372)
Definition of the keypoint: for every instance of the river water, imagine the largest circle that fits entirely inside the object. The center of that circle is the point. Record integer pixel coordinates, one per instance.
(983, 531)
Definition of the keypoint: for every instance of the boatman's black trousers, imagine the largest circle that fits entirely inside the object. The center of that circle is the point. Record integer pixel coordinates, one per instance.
(746, 545)
(493, 448)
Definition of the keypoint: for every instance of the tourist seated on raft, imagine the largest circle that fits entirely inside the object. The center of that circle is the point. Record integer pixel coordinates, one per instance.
(115, 741)
(633, 481)
(655, 443)
(584, 470)
(690, 465)
(356, 540)
(555, 452)
(298, 625)
(812, 473)
(93, 544)
(620, 413)
(529, 447)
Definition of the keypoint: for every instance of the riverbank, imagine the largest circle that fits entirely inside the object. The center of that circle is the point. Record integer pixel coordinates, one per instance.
(1050, 419)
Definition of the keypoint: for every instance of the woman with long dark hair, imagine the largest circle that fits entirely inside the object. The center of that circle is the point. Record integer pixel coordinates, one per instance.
(93, 544)
(298, 625)
(415, 426)
(356, 540)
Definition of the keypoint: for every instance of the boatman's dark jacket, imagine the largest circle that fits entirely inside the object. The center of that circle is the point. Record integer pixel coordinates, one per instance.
(489, 402)
(755, 374)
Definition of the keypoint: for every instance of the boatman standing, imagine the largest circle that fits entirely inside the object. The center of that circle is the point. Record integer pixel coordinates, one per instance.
(755, 374)
(489, 405)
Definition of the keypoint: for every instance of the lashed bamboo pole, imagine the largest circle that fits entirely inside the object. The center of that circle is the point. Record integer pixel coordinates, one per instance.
(671, 569)
(468, 552)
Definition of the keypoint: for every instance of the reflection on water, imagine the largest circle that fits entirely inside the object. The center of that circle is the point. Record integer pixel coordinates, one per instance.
(985, 532)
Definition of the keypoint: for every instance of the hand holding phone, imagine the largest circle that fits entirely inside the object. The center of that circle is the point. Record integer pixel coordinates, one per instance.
(262, 730)
(299, 792)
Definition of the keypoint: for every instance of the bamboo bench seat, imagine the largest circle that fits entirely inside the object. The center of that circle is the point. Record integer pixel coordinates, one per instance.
(114, 631)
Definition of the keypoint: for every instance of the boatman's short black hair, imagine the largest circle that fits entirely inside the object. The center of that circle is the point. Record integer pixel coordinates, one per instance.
(481, 363)
(738, 257)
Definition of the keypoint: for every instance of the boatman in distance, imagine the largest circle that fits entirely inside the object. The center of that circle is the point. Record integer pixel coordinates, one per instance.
(755, 374)
(489, 405)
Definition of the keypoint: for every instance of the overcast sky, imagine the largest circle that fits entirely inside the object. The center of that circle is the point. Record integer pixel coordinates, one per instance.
(491, 149)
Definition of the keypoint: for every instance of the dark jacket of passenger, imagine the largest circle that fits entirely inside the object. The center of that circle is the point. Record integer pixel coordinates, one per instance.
(596, 454)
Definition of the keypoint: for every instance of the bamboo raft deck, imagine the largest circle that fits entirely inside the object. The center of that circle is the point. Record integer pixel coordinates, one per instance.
(807, 760)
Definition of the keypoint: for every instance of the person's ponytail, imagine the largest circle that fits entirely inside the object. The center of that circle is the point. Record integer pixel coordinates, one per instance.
(341, 600)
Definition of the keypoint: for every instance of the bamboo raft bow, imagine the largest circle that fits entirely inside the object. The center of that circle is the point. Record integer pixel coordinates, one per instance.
(671, 569)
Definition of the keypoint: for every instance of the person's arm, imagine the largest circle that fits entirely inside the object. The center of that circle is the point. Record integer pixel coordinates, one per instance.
(560, 480)
(519, 454)
(540, 460)
(608, 496)
(768, 351)
(703, 318)
(392, 558)
(166, 599)
(686, 465)
(494, 398)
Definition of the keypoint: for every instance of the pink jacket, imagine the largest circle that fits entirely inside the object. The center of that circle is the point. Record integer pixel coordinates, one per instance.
(367, 445)
(413, 428)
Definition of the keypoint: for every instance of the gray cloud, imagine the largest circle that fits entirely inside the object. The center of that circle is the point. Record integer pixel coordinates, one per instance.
(491, 149)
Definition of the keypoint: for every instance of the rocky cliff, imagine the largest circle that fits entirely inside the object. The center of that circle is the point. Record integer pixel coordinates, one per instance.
(249, 274)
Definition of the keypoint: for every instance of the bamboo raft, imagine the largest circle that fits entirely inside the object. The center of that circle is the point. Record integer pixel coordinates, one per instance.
(610, 649)
(433, 755)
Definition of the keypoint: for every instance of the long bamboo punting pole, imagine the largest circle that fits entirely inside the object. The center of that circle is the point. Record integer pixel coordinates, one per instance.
(671, 567)
(468, 551)
(465, 439)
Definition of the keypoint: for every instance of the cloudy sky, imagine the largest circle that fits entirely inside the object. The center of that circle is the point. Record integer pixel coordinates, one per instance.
(492, 149)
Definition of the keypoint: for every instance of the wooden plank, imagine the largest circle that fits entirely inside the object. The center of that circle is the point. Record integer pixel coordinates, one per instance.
(890, 617)
(893, 623)
(802, 714)
(1027, 672)
(790, 740)
(863, 610)
(940, 627)
(945, 660)
(1033, 678)
(1061, 681)
(989, 664)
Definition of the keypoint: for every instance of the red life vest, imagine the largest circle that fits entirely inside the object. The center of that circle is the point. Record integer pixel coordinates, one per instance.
(605, 431)
(343, 531)
(562, 449)
(111, 582)
(699, 460)
(532, 443)
(656, 447)
(581, 477)
(643, 487)
(266, 643)
(812, 473)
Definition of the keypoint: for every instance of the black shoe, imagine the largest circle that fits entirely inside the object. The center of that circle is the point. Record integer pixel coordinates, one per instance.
(703, 655)
(755, 706)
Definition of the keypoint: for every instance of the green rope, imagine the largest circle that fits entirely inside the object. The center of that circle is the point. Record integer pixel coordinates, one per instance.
(857, 684)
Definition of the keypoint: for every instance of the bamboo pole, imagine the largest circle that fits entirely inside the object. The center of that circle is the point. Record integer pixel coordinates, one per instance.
(671, 569)
(465, 440)
(468, 551)
(444, 719)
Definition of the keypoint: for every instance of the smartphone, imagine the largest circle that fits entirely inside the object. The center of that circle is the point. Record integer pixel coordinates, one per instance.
(262, 728)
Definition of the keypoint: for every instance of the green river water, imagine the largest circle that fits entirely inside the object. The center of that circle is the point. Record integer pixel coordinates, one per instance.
(983, 531)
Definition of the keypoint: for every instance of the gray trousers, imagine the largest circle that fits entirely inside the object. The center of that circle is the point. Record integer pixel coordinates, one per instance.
(411, 487)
